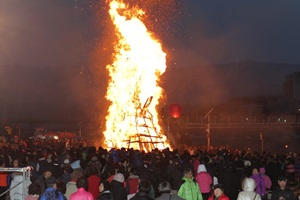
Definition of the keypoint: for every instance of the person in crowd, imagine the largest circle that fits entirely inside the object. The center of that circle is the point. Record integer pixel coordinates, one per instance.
(282, 192)
(274, 170)
(104, 189)
(34, 191)
(3, 180)
(124, 166)
(66, 176)
(117, 187)
(268, 182)
(248, 193)
(82, 193)
(229, 178)
(51, 192)
(164, 189)
(259, 182)
(61, 187)
(41, 163)
(71, 185)
(144, 190)
(133, 181)
(189, 188)
(42, 178)
(174, 173)
(94, 181)
(204, 181)
(218, 193)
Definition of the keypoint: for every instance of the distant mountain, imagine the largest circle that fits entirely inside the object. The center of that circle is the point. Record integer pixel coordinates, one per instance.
(71, 92)
(215, 83)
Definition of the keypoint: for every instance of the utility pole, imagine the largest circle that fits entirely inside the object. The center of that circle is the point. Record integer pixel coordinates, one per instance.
(208, 129)
(262, 142)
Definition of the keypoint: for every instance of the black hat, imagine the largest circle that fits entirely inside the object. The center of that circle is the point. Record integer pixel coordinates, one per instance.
(220, 186)
(282, 178)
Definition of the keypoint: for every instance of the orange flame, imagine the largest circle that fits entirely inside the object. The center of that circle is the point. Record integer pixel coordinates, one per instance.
(132, 120)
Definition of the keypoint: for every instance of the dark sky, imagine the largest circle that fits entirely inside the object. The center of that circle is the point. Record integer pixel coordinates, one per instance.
(54, 34)
(230, 31)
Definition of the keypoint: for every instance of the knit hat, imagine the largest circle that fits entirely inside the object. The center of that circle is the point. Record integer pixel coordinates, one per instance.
(119, 177)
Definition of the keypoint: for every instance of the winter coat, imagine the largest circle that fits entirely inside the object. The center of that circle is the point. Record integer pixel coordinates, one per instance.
(94, 182)
(267, 180)
(168, 196)
(141, 196)
(42, 182)
(133, 182)
(248, 192)
(118, 191)
(189, 189)
(51, 194)
(105, 195)
(203, 179)
(81, 194)
(174, 176)
(70, 188)
(287, 194)
(260, 184)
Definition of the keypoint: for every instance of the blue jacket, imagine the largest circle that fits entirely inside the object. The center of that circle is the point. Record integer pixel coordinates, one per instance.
(51, 194)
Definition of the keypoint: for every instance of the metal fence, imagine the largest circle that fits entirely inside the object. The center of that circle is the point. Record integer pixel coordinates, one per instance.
(26, 179)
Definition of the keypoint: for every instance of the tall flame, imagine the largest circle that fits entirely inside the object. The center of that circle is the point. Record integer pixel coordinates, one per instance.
(132, 120)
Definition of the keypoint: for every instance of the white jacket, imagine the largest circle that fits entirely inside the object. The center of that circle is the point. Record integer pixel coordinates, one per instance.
(248, 192)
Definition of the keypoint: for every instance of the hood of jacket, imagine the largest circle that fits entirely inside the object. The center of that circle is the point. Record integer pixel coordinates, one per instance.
(249, 184)
(201, 168)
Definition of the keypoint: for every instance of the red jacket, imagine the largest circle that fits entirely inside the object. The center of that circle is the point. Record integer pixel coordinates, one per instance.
(222, 197)
(94, 182)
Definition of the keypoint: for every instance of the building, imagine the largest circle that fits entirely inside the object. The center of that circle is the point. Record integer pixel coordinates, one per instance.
(291, 86)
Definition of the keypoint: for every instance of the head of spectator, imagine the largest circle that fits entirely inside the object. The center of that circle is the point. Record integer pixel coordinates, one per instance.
(254, 171)
(164, 187)
(82, 183)
(218, 190)
(34, 189)
(144, 186)
(104, 186)
(262, 170)
(61, 186)
(76, 174)
(48, 173)
(16, 163)
(50, 182)
(188, 173)
(282, 180)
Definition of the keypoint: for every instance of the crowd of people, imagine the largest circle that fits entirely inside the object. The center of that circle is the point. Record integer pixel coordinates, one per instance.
(60, 170)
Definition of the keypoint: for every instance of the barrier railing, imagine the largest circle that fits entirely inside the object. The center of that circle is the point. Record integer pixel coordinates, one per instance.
(26, 178)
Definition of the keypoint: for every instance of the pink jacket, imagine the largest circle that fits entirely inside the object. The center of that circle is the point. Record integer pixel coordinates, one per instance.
(81, 194)
(203, 179)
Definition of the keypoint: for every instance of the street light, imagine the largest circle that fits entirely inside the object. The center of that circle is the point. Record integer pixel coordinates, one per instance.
(208, 129)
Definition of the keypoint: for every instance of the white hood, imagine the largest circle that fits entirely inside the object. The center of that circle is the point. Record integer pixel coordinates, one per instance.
(201, 168)
(249, 184)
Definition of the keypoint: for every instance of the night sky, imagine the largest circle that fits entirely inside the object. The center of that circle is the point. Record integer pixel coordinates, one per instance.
(48, 49)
